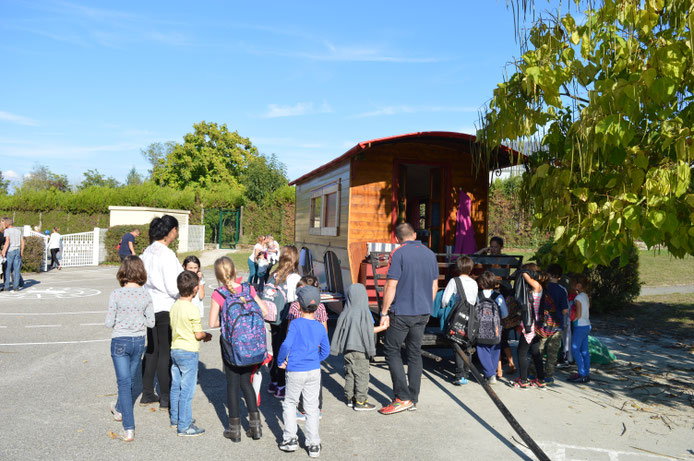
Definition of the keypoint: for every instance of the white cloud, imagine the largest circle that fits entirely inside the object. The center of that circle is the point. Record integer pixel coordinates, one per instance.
(34, 151)
(396, 110)
(298, 109)
(18, 119)
(11, 175)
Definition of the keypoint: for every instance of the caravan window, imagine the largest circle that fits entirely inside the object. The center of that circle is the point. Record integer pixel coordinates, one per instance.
(325, 210)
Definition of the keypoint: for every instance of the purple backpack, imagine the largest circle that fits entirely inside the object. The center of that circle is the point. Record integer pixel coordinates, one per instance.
(242, 327)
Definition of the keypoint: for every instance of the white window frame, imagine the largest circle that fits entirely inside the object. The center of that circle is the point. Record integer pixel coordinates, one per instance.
(322, 192)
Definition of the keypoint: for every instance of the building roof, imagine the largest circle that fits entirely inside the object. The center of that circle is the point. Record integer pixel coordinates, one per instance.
(504, 153)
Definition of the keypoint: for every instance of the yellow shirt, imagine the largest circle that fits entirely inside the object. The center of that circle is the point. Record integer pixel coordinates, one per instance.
(185, 322)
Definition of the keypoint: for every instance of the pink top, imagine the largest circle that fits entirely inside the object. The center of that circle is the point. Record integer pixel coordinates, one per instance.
(219, 298)
(295, 312)
(536, 308)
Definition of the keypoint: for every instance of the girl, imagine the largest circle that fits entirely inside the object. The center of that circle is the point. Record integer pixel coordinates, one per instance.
(489, 354)
(130, 313)
(192, 263)
(237, 377)
(295, 310)
(464, 264)
(162, 268)
(354, 338)
(529, 341)
(54, 247)
(581, 328)
(286, 275)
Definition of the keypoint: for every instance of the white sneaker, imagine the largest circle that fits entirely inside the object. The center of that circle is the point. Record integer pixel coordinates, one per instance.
(117, 415)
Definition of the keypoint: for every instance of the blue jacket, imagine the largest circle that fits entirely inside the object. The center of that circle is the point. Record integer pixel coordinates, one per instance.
(305, 347)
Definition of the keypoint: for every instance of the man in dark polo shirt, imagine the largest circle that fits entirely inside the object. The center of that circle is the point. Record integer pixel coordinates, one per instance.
(408, 301)
(127, 244)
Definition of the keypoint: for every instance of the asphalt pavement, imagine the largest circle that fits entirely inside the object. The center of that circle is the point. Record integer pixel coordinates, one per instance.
(57, 382)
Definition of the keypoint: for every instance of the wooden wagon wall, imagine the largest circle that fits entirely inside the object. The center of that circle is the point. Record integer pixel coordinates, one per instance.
(371, 191)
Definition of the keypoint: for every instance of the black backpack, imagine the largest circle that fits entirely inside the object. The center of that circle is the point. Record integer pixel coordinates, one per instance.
(462, 324)
(489, 319)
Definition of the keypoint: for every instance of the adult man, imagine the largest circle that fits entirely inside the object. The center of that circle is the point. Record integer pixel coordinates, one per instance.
(127, 247)
(408, 301)
(13, 251)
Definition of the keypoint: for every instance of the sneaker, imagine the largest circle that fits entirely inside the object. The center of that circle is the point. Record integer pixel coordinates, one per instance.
(290, 445)
(583, 379)
(521, 384)
(563, 365)
(363, 406)
(117, 415)
(313, 451)
(492, 379)
(272, 388)
(549, 381)
(350, 403)
(192, 431)
(537, 383)
(128, 435)
(574, 378)
(396, 407)
(148, 400)
(413, 407)
(175, 425)
(461, 381)
(279, 393)
(300, 416)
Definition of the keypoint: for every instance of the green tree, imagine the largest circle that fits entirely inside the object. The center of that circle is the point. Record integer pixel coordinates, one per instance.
(42, 178)
(94, 178)
(3, 184)
(263, 176)
(134, 178)
(604, 110)
(211, 154)
(156, 153)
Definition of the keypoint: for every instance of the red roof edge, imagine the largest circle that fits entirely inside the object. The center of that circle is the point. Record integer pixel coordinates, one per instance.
(363, 145)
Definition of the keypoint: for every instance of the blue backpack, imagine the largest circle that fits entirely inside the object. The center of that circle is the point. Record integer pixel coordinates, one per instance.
(242, 327)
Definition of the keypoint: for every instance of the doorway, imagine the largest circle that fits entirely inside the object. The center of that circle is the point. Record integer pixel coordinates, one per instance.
(420, 200)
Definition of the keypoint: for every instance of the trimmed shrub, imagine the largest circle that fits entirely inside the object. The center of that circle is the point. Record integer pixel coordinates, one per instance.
(611, 287)
(116, 233)
(33, 254)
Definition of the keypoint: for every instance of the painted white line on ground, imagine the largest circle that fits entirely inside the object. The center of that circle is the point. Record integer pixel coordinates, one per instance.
(58, 342)
(52, 313)
(41, 326)
(91, 324)
(2, 326)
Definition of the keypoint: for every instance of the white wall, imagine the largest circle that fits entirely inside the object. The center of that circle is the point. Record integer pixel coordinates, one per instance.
(135, 215)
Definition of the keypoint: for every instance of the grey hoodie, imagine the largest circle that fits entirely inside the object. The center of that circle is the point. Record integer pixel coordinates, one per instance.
(355, 326)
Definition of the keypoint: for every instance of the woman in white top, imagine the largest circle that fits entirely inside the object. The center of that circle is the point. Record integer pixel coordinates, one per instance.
(162, 268)
(54, 248)
(580, 330)
(253, 260)
(464, 264)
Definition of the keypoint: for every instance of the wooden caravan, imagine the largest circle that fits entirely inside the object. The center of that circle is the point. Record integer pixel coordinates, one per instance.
(362, 195)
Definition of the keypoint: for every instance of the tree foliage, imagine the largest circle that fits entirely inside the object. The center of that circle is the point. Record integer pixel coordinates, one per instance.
(156, 153)
(94, 178)
(604, 108)
(41, 178)
(211, 154)
(3, 184)
(134, 178)
(263, 176)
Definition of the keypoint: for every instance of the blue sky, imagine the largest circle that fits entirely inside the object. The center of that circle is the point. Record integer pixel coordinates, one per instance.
(88, 84)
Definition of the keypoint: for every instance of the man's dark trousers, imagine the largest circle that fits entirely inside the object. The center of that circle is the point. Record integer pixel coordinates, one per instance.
(408, 330)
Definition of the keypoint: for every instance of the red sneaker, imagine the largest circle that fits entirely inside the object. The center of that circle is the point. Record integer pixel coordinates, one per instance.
(537, 383)
(396, 407)
(519, 383)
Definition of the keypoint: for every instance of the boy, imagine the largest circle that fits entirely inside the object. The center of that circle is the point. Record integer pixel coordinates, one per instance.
(186, 334)
(301, 353)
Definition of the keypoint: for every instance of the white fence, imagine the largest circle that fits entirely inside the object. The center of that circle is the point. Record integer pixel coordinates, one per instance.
(81, 249)
(196, 238)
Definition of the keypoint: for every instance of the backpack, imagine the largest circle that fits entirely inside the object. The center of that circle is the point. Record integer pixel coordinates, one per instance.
(275, 296)
(461, 324)
(547, 324)
(489, 319)
(242, 327)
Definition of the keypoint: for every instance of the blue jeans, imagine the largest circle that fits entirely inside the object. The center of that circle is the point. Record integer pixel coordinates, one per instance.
(14, 267)
(184, 376)
(579, 349)
(252, 270)
(126, 352)
(489, 358)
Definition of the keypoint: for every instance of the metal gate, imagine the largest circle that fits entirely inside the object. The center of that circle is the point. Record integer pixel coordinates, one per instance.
(229, 228)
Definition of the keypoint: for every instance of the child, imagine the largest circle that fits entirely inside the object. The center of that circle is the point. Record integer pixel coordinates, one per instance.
(464, 265)
(560, 300)
(130, 313)
(192, 263)
(354, 338)
(186, 334)
(489, 354)
(581, 329)
(301, 353)
(529, 341)
(239, 378)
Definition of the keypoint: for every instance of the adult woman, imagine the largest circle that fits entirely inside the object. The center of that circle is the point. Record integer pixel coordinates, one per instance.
(254, 261)
(162, 268)
(54, 247)
(286, 276)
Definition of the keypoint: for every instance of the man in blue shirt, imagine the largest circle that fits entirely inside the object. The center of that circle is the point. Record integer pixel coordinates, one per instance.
(408, 301)
(127, 243)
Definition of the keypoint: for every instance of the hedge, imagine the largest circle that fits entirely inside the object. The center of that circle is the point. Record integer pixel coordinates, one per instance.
(68, 223)
(116, 233)
(33, 254)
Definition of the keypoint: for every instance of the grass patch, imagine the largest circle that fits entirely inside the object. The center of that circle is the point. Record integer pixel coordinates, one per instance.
(240, 259)
(182, 256)
(661, 268)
